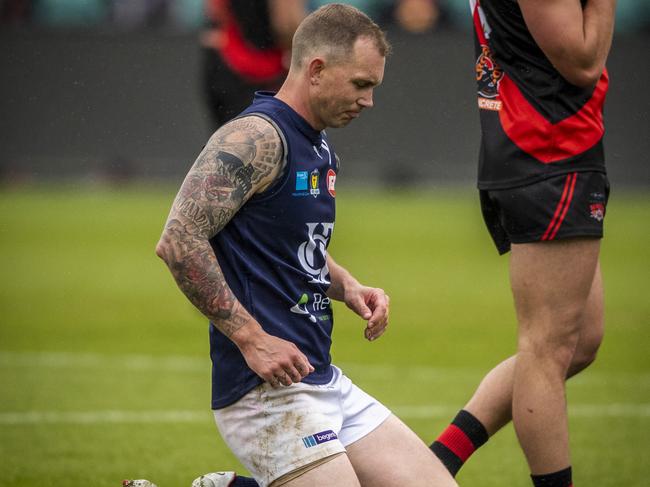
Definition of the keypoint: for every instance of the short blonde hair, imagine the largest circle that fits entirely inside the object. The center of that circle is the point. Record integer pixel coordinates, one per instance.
(333, 29)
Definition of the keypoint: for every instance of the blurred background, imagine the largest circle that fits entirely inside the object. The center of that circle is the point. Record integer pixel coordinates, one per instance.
(116, 89)
(104, 366)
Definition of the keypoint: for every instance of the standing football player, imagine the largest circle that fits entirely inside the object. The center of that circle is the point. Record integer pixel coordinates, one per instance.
(540, 68)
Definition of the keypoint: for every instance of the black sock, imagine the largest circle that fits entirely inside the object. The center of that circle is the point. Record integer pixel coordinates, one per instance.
(244, 482)
(459, 440)
(555, 479)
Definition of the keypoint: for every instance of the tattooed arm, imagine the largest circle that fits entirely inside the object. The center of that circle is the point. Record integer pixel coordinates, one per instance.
(243, 157)
(371, 303)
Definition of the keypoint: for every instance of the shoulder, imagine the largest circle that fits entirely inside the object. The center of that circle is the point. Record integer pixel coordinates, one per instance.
(255, 126)
(249, 141)
(249, 137)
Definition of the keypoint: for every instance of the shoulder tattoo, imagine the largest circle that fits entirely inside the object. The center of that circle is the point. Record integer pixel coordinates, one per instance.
(241, 158)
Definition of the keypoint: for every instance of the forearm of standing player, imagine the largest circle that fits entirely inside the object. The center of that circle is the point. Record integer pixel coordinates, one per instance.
(576, 40)
(598, 27)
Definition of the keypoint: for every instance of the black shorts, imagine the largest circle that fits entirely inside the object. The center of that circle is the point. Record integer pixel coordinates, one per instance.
(569, 205)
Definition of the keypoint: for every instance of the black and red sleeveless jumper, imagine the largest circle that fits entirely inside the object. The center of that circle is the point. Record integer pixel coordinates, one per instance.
(535, 124)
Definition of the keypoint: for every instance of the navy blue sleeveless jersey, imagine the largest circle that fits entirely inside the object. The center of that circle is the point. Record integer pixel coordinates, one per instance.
(273, 255)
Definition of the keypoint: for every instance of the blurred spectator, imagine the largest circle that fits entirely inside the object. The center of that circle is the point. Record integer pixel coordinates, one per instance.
(188, 14)
(417, 16)
(246, 48)
(70, 13)
(412, 15)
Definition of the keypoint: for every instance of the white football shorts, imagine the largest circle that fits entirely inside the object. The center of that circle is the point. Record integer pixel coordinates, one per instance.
(276, 431)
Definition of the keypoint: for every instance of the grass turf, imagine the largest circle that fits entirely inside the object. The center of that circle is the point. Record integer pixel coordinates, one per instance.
(104, 371)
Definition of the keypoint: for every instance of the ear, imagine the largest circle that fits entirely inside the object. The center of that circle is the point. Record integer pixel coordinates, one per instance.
(316, 67)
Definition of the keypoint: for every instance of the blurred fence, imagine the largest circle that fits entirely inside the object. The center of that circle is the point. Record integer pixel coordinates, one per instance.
(93, 104)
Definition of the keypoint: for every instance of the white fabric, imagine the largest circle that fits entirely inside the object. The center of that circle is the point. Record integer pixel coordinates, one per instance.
(276, 431)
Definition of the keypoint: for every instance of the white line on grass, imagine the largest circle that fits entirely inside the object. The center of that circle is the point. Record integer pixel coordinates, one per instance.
(175, 363)
(204, 416)
(367, 372)
(98, 417)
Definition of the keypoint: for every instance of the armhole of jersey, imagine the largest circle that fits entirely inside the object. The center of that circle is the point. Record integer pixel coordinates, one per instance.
(282, 178)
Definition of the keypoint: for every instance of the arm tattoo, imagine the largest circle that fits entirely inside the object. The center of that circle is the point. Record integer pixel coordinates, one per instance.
(241, 158)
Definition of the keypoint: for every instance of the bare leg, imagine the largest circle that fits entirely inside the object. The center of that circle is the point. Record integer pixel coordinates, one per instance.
(491, 404)
(551, 283)
(335, 472)
(393, 456)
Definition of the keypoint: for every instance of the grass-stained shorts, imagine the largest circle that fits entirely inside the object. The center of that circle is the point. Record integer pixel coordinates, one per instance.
(569, 205)
(277, 431)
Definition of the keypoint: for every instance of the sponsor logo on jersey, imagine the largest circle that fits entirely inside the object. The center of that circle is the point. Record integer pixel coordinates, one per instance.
(318, 438)
(307, 183)
(331, 182)
(319, 304)
(487, 104)
(314, 179)
(312, 253)
(488, 73)
(302, 180)
(597, 211)
(296, 308)
(597, 205)
(488, 76)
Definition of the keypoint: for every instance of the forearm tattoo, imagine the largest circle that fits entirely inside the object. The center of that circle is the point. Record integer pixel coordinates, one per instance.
(241, 158)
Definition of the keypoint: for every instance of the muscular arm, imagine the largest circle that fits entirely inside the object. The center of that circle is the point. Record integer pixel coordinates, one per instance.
(243, 157)
(368, 302)
(575, 39)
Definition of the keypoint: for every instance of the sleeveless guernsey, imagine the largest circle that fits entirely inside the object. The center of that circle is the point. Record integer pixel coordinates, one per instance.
(273, 255)
(534, 123)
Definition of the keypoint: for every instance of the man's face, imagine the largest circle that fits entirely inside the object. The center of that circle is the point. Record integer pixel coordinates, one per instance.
(346, 88)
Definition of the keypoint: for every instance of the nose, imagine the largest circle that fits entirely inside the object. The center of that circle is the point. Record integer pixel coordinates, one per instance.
(366, 100)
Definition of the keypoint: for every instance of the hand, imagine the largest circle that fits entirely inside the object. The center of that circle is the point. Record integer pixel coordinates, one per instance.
(371, 304)
(277, 361)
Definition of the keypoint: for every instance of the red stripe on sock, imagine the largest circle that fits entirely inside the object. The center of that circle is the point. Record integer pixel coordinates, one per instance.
(457, 441)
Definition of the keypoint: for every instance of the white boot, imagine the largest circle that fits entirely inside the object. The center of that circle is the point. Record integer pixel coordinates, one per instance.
(215, 479)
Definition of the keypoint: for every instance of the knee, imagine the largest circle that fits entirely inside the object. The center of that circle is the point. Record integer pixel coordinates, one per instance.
(554, 351)
(550, 342)
(585, 353)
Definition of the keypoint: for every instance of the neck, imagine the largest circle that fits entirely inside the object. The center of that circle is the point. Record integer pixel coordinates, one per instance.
(295, 93)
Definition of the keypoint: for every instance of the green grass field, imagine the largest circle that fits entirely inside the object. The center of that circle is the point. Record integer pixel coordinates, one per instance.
(104, 372)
